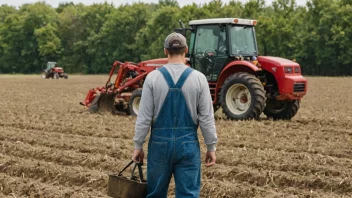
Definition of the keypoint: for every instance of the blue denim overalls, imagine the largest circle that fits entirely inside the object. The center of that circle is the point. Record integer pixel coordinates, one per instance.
(173, 145)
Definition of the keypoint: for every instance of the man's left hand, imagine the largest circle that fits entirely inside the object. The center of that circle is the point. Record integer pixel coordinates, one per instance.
(138, 156)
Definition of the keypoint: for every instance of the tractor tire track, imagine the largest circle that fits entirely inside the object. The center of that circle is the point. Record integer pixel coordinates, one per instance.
(84, 144)
(25, 187)
(68, 130)
(301, 163)
(49, 172)
(244, 189)
(61, 157)
(277, 179)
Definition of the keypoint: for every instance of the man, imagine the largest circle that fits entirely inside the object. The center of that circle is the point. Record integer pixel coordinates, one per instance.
(175, 100)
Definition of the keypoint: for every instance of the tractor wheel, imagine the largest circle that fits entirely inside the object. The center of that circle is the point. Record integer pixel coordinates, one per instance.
(281, 110)
(45, 75)
(65, 76)
(216, 108)
(242, 97)
(135, 101)
(56, 76)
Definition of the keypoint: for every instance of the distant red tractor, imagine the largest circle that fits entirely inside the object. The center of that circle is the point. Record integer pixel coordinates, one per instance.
(225, 51)
(53, 71)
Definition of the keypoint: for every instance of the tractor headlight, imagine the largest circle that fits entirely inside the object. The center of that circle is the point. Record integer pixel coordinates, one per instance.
(288, 70)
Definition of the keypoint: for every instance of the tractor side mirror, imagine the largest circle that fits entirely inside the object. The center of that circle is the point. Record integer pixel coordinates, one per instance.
(181, 31)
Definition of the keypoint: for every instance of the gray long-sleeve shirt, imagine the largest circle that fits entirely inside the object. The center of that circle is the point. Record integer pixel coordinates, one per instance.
(198, 99)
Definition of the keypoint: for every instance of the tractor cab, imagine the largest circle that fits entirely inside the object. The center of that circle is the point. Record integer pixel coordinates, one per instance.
(51, 65)
(53, 71)
(216, 42)
(53, 68)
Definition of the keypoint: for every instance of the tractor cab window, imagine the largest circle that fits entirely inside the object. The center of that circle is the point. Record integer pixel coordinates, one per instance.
(50, 65)
(210, 50)
(207, 39)
(242, 41)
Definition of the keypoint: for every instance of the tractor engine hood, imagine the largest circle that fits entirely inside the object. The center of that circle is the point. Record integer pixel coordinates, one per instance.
(270, 61)
(58, 69)
(290, 82)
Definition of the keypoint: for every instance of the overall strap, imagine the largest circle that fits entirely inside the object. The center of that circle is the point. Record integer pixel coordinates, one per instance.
(183, 77)
(167, 77)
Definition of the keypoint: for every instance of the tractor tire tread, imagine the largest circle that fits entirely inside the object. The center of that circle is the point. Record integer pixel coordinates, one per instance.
(287, 114)
(255, 87)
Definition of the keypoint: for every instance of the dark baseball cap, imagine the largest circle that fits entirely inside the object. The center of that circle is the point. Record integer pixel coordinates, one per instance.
(175, 40)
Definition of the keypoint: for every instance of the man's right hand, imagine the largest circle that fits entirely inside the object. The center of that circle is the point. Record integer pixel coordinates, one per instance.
(210, 158)
(138, 156)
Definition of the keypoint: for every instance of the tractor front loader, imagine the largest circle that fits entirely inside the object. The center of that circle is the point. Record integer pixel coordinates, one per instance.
(124, 94)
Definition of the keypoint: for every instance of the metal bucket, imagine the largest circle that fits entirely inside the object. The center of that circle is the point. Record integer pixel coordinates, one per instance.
(123, 187)
(106, 102)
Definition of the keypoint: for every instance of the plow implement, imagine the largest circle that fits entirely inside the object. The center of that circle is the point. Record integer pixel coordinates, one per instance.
(122, 96)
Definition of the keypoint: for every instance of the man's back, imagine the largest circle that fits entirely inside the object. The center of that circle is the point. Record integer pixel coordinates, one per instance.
(191, 89)
(196, 93)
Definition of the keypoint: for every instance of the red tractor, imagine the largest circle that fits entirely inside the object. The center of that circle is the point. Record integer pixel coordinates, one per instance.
(225, 51)
(53, 71)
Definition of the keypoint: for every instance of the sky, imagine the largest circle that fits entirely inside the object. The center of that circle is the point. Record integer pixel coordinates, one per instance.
(55, 3)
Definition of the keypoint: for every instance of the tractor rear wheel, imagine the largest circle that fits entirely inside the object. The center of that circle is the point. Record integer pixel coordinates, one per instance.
(281, 109)
(242, 97)
(135, 101)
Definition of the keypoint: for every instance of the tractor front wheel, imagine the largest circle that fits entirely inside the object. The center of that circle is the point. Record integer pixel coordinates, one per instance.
(134, 102)
(281, 109)
(56, 76)
(242, 97)
(45, 75)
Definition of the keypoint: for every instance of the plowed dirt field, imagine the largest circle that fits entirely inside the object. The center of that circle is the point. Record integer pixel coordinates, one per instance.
(50, 146)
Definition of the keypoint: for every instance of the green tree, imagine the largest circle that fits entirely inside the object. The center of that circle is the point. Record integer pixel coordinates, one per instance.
(87, 39)
(168, 3)
(116, 39)
(151, 38)
(49, 44)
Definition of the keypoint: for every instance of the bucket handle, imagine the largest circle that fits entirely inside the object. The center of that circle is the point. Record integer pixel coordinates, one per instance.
(134, 168)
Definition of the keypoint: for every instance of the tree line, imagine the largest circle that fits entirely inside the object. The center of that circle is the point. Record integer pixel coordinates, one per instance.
(87, 39)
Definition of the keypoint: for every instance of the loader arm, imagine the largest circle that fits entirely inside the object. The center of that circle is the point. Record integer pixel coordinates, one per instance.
(121, 74)
(139, 77)
(116, 63)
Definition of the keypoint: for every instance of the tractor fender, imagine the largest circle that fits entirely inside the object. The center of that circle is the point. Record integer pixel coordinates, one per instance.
(235, 67)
